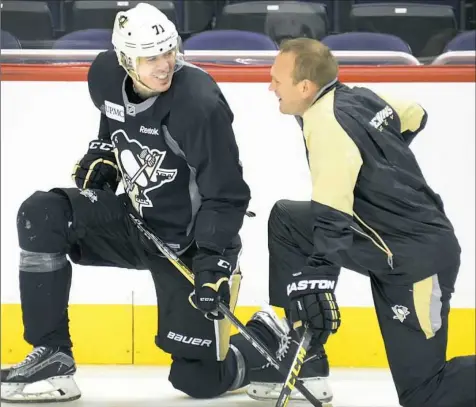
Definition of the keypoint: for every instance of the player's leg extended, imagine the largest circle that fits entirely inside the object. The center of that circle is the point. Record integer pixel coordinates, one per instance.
(50, 226)
(289, 244)
(413, 319)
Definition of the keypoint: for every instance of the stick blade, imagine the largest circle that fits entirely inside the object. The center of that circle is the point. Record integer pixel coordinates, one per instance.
(295, 369)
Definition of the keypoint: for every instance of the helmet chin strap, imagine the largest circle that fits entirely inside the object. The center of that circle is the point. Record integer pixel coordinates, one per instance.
(137, 84)
(147, 92)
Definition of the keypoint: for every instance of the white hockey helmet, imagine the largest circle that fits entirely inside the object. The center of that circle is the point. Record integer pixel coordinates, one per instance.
(142, 31)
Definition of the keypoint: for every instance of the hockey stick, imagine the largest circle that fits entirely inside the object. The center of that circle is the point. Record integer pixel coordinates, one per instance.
(255, 342)
(293, 374)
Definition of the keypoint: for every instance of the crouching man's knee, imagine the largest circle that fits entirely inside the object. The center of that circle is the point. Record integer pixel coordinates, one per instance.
(278, 214)
(202, 379)
(42, 223)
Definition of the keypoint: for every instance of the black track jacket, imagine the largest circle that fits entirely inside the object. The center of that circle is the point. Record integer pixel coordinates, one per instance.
(370, 199)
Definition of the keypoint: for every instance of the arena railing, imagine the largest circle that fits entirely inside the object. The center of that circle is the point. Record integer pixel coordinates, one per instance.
(236, 57)
(456, 58)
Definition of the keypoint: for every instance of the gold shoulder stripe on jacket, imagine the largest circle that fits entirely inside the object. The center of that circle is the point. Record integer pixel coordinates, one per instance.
(334, 159)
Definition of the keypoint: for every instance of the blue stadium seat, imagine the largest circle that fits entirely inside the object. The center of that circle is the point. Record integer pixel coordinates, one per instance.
(465, 41)
(9, 41)
(217, 40)
(95, 38)
(362, 41)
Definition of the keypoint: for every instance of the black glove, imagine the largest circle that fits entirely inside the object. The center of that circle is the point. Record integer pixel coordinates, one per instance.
(313, 302)
(97, 168)
(212, 273)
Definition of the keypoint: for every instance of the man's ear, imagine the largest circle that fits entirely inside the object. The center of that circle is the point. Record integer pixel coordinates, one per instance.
(308, 87)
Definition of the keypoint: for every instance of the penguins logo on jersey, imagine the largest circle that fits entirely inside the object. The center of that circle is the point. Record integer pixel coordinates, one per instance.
(141, 169)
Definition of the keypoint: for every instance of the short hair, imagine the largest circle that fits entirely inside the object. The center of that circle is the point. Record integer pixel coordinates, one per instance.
(314, 61)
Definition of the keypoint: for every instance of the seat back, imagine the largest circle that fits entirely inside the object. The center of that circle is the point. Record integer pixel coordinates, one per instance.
(278, 20)
(27, 20)
(229, 40)
(9, 41)
(465, 41)
(94, 38)
(87, 14)
(360, 41)
(425, 27)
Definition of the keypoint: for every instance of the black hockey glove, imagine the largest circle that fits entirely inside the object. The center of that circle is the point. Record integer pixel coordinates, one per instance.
(98, 168)
(212, 273)
(313, 302)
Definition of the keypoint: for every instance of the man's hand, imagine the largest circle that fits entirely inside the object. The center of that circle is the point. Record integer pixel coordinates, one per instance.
(98, 168)
(212, 273)
(313, 302)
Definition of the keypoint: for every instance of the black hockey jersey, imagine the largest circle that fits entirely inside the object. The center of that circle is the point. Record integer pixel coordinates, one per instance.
(177, 154)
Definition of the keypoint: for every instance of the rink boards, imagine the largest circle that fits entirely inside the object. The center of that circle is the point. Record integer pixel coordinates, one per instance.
(113, 319)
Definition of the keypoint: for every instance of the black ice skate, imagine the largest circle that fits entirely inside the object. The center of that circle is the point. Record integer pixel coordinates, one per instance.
(267, 382)
(45, 376)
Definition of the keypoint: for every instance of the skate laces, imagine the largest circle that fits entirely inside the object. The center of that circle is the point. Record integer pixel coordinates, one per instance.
(34, 354)
(281, 330)
(284, 345)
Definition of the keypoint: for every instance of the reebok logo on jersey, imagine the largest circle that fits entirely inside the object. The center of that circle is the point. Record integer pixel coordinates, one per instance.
(311, 285)
(149, 130)
(113, 111)
(189, 340)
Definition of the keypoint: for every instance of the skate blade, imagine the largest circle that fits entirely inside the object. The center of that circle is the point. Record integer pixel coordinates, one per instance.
(292, 402)
(52, 390)
(318, 386)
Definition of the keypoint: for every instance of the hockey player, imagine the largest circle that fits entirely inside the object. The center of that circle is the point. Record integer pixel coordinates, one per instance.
(371, 211)
(166, 132)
